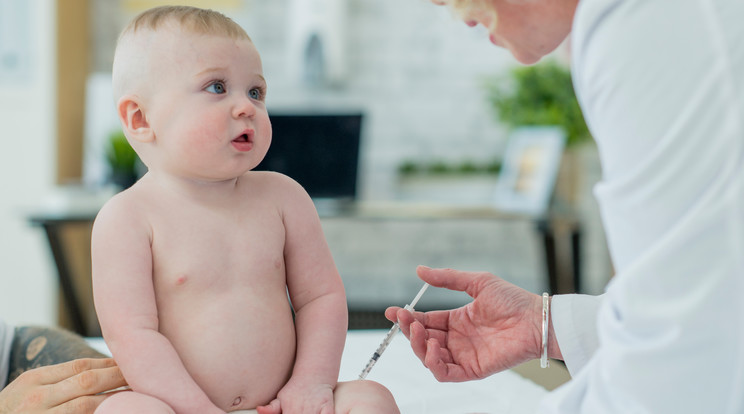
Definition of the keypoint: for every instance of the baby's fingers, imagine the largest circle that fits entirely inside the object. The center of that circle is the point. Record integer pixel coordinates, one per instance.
(327, 409)
(273, 407)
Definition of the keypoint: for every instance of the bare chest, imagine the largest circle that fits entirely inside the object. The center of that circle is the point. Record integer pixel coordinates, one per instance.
(217, 251)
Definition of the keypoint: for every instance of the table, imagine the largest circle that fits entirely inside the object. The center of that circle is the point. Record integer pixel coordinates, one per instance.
(53, 225)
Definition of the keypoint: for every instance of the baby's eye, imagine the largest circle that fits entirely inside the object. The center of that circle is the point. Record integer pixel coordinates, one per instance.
(256, 93)
(217, 87)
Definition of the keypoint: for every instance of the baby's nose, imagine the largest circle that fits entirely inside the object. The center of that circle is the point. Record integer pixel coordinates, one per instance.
(244, 108)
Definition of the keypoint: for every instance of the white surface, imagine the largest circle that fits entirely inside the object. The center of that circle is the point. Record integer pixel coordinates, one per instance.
(415, 389)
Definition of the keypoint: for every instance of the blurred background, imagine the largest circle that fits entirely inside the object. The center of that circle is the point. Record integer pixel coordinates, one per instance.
(419, 107)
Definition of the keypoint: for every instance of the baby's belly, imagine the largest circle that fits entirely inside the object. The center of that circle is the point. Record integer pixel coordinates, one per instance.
(238, 346)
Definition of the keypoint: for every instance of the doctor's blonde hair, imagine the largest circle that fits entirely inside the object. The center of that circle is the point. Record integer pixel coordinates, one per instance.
(463, 7)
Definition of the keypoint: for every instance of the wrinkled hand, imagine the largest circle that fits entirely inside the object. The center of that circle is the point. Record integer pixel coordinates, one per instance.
(301, 397)
(499, 329)
(70, 387)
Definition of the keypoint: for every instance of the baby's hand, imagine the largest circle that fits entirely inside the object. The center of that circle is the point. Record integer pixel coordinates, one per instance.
(301, 397)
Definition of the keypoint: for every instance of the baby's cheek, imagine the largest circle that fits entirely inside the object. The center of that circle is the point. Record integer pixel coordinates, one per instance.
(204, 138)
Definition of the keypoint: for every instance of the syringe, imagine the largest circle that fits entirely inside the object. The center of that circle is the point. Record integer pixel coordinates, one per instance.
(389, 337)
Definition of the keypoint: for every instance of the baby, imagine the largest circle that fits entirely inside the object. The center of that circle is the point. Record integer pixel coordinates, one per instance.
(199, 267)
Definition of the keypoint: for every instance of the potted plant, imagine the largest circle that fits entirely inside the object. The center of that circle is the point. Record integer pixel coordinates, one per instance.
(122, 160)
(543, 94)
(540, 94)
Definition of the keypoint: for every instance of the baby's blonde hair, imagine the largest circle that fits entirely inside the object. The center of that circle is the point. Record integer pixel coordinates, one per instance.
(192, 19)
(128, 75)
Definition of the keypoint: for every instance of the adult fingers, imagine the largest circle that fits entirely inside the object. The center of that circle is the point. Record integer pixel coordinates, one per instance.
(401, 316)
(391, 313)
(86, 383)
(434, 323)
(417, 338)
(452, 279)
(440, 363)
(431, 320)
(415, 334)
(81, 405)
(53, 374)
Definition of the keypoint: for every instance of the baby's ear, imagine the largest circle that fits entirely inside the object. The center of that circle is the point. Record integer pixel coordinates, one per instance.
(134, 120)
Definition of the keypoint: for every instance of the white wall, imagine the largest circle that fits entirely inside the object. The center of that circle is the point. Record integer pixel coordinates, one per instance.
(412, 68)
(27, 168)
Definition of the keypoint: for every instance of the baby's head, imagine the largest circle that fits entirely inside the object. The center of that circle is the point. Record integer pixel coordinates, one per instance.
(184, 80)
(141, 30)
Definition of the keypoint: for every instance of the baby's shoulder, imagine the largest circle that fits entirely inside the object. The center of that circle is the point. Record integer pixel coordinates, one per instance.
(283, 192)
(123, 209)
(271, 182)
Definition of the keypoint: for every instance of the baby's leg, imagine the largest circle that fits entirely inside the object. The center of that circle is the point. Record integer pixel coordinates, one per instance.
(127, 402)
(362, 397)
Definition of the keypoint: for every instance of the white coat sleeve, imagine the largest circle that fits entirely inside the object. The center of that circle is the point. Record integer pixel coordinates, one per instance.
(661, 84)
(574, 319)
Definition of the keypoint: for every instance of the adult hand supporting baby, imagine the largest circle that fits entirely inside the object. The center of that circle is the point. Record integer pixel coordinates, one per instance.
(70, 387)
(499, 329)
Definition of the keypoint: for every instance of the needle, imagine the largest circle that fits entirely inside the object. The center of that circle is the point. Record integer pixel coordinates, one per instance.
(389, 337)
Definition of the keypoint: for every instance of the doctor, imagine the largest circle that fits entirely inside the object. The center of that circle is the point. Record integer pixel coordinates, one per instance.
(661, 84)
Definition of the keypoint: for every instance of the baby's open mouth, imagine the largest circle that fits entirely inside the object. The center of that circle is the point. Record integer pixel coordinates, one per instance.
(243, 142)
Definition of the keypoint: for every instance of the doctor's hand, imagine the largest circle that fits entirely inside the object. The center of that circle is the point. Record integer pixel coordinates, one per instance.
(499, 329)
(70, 387)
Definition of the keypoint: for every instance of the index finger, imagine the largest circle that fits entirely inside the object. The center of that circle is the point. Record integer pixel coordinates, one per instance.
(451, 279)
(437, 320)
(53, 374)
(86, 383)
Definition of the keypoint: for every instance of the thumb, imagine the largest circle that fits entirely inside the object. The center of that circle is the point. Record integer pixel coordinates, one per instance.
(327, 408)
(273, 407)
(451, 279)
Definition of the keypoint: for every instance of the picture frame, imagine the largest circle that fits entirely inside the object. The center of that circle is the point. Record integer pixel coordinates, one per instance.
(529, 169)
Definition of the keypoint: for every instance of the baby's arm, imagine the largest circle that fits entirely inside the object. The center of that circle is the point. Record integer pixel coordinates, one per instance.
(125, 302)
(319, 301)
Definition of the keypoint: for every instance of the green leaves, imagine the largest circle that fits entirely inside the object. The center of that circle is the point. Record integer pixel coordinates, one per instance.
(541, 94)
(120, 155)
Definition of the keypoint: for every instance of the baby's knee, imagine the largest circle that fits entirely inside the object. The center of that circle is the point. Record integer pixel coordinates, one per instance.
(364, 396)
(127, 402)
